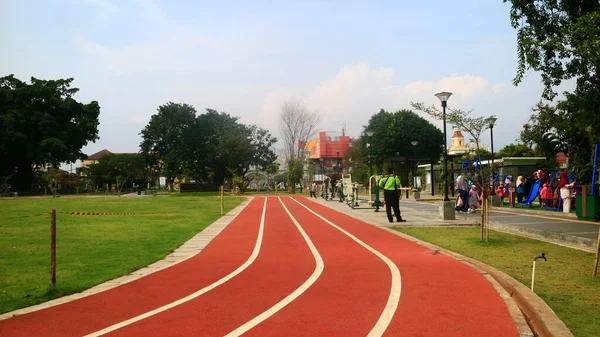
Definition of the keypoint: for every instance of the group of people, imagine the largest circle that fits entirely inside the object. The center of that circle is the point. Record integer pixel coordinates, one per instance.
(469, 200)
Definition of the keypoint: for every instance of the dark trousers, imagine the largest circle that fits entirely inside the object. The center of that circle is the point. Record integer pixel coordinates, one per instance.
(313, 193)
(391, 200)
(464, 195)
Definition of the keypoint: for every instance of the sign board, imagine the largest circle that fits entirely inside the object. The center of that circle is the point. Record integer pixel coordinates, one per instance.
(163, 181)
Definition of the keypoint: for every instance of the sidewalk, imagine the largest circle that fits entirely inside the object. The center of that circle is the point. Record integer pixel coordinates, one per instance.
(552, 227)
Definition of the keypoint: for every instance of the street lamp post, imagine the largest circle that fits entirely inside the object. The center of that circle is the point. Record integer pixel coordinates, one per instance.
(370, 134)
(492, 121)
(414, 144)
(322, 173)
(444, 96)
(340, 172)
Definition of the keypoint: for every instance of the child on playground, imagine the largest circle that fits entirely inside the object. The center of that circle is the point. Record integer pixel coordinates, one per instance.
(500, 192)
(474, 199)
(546, 195)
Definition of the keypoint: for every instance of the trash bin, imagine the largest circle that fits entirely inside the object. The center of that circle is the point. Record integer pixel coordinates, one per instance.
(139, 192)
(587, 207)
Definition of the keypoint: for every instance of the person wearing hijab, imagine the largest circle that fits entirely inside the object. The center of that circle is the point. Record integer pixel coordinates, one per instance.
(510, 189)
(565, 189)
(463, 194)
(473, 199)
(520, 188)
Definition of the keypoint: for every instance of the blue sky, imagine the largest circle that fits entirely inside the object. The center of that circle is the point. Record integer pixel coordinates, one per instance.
(346, 59)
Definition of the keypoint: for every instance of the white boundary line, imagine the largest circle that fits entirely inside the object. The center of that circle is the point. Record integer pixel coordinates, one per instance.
(187, 250)
(396, 287)
(299, 291)
(197, 293)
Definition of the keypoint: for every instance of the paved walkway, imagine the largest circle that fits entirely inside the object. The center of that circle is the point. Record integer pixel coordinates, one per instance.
(552, 226)
(292, 267)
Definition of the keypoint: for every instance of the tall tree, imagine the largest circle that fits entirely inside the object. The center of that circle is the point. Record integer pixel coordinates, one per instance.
(561, 39)
(212, 155)
(474, 126)
(297, 124)
(516, 150)
(119, 169)
(394, 132)
(42, 125)
(167, 138)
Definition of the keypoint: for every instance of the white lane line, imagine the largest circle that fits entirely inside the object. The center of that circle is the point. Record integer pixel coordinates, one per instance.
(197, 293)
(392, 303)
(299, 291)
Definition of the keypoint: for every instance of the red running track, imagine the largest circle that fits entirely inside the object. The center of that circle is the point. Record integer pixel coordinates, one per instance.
(439, 297)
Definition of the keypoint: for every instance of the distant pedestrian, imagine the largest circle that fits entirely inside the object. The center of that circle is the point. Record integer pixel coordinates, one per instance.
(566, 191)
(390, 184)
(463, 194)
(313, 190)
(510, 186)
(520, 188)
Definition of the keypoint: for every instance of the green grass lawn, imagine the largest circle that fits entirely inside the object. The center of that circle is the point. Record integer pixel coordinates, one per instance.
(565, 281)
(91, 249)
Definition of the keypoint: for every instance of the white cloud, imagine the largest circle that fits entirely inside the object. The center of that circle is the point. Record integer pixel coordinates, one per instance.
(105, 5)
(356, 92)
(500, 87)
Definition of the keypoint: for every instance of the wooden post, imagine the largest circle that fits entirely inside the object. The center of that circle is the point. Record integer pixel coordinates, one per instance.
(275, 188)
(222, 200)
(53, 248)
(595, 272)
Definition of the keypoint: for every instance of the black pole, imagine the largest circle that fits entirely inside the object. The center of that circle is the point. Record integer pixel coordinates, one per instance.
(493, 192)
(407, 183)
(452, 169)
(432, 179)
(445, 155)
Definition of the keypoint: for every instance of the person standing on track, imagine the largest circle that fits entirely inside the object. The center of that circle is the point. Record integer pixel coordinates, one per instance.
(390, 184)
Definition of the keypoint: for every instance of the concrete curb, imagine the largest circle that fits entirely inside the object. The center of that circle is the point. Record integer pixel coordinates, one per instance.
(561, 239)
(517, 210)
(189, 249)
(539, 317)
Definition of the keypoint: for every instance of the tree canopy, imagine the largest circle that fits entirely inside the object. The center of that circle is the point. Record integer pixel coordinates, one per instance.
(394, 132)
(561, 39)
(210, 147)
(170, 139)
(42, 125)
(516, 150)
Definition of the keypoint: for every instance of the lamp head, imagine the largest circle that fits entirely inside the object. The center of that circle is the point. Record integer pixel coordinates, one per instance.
(491, 121)
(414, 142)
(370, 133)
(443, 96)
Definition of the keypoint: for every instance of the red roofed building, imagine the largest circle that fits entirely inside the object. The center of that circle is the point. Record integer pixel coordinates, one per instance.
(562, 160)
(327, 151)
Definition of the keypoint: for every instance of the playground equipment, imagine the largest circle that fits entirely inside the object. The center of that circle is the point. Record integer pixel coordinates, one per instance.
(533, 193)
(557, 204)
(376, 203)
